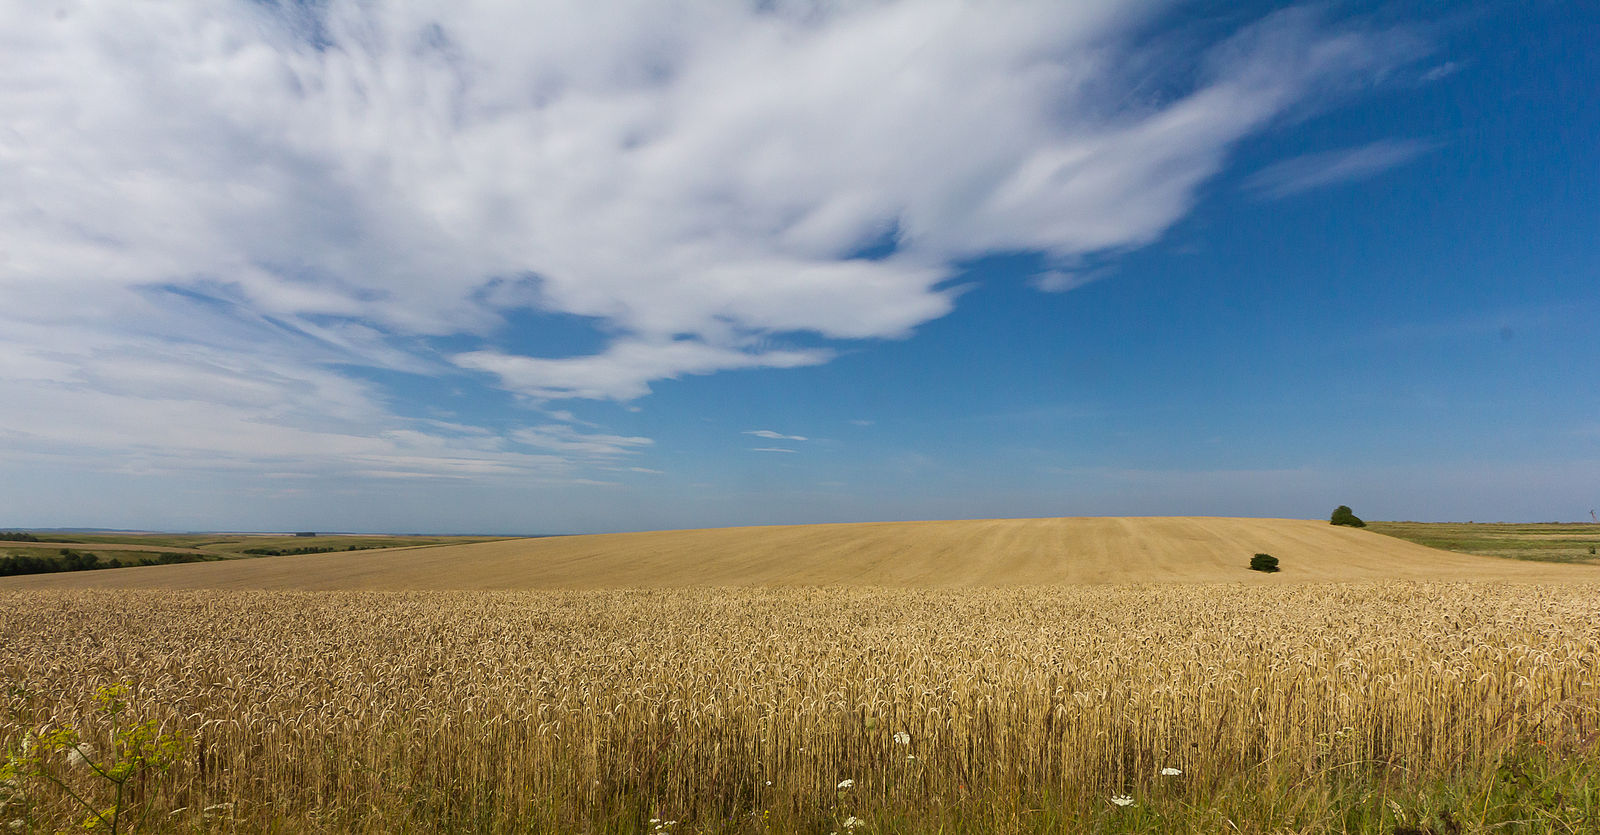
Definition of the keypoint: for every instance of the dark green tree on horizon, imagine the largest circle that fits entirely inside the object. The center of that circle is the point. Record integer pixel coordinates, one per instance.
(1343, 515)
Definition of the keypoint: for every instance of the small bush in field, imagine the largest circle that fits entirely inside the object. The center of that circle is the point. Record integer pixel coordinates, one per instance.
(1264, 562)
(1343, 515)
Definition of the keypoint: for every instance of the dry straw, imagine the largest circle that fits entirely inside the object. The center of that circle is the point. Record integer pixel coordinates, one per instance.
(576, 710)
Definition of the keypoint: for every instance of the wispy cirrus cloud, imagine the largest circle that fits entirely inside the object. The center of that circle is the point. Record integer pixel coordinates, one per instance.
(1062, 281)
(563, 439)
(1328, 168)
(773, 436)
(1442, 71)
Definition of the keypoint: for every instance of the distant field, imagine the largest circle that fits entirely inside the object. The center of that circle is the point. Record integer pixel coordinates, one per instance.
(953, 554)
(236, 545)
(1545, 542)
(33, 554)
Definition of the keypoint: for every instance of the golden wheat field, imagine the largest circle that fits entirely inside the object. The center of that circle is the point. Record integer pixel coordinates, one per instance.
(1036, 675)
(1313, 707)
(949, 554)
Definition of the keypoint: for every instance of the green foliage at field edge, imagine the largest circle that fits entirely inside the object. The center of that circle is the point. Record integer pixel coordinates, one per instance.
(1342, 515)
(66, 559)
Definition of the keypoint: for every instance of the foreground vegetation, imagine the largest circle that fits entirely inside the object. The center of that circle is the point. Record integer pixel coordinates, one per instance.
(1394, 708)
(1570, 542)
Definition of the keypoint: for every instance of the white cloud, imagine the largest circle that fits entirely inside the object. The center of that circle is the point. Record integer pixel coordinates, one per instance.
(1327, 168)
(770, 449)
(624, 370)
(773, 436)
(211, 209)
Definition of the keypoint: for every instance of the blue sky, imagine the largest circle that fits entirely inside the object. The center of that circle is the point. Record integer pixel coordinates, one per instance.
(564, 267)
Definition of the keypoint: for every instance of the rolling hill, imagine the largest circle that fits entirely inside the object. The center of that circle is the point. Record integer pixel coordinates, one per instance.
(964, 553)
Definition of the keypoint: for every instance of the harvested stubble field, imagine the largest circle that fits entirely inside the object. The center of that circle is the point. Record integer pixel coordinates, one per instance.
(950, 554)
(1363, 707)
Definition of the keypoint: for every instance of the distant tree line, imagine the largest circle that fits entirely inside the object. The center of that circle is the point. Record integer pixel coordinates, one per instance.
(309, 549)
(69, 560)
(18, 536)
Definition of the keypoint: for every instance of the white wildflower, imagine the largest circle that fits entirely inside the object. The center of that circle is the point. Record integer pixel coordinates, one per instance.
(845, 784)
(903, 738)
(16, 824)
(1122, 800)
(1170, 772)
(852, 822)
(769, 782)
